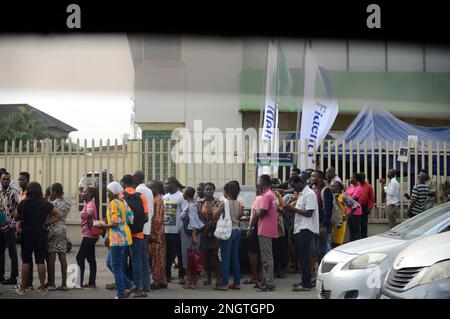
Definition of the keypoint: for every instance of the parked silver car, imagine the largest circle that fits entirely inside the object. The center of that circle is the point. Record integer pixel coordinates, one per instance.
(421, 270)
(357, 269)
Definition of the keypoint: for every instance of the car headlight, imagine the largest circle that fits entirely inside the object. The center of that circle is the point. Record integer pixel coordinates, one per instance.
(438, 271)
(369, 260)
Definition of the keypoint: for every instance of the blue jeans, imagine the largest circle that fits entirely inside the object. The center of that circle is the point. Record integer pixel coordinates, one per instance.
(146, 273)
(137, 261)
(125, 257)
(115, 259)
(323, 245)
(229, 251)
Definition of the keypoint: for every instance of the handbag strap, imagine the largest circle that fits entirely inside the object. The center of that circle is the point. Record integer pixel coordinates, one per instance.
(227, 209)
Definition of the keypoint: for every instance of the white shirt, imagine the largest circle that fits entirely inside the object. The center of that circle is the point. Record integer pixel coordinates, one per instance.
(149, 195)
(173, 206)
(392, 190)
(307, 200)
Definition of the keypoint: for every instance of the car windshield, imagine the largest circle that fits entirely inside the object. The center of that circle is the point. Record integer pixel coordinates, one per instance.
(419, 225)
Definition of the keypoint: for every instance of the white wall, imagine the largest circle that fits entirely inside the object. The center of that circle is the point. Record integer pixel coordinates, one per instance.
(160, 92)
(213, 70)
(203, 85)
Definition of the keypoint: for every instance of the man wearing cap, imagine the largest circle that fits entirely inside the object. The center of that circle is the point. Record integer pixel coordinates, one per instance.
(174, 203)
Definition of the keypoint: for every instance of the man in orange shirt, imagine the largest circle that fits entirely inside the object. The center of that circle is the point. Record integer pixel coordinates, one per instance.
(137, 202)
(367, 201)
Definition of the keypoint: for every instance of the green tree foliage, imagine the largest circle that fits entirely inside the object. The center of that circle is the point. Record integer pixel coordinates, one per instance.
(22, 126)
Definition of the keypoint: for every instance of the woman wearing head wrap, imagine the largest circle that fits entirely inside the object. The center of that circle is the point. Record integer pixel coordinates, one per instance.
(119, 237)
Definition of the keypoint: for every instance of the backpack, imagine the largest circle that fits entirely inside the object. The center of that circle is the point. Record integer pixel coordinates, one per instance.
(134, 202)
(186, 222)
(336, 217)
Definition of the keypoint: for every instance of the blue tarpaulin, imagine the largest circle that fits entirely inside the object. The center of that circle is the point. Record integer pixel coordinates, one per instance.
(376, 124)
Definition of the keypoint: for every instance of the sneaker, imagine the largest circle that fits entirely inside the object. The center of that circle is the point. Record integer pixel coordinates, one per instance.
(10, 281)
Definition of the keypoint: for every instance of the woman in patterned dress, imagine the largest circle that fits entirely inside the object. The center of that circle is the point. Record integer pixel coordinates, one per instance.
(208, 241)
(157, 240)
(57, 237)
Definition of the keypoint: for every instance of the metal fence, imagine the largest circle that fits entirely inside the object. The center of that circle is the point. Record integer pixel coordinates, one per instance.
(66, 161)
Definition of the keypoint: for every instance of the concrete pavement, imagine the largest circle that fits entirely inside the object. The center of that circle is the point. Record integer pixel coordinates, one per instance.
(174, 291)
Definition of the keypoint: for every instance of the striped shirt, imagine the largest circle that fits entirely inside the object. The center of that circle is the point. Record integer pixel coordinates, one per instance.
(420, 194)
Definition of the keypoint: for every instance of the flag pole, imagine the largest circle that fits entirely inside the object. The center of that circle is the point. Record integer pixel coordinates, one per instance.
(297, 128)
(275, 137)
(261, 112)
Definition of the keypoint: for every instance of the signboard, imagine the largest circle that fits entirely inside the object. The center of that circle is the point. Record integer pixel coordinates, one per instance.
(403, 154)
(274, 159)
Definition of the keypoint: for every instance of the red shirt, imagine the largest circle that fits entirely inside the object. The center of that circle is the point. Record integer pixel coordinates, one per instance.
(367, 196)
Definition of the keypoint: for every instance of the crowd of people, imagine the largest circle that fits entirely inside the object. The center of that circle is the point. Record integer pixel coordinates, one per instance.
(292, 226)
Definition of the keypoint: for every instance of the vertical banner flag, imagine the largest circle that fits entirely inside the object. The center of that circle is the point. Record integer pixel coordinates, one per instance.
(318, 114)
(270, 120)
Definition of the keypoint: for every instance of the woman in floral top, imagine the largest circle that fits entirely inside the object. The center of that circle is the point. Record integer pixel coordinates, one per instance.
(57, 237)
(157, 241)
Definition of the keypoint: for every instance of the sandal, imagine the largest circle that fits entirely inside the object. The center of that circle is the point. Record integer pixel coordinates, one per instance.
(250, 282)
(20, 291)
(220, 287)
(89, 286)
(266, 288)
(43, 290)
(111, 286)
(62, 288)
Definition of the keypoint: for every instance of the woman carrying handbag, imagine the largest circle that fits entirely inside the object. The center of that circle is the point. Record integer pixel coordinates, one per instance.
(192, 256)
(229, 235)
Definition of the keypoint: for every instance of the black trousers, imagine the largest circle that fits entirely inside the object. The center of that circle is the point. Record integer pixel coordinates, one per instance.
(173, 248)
(354, 226)
(8, 240)
(303, 240)
(280, 251)
(364, 221)
(87, 251)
